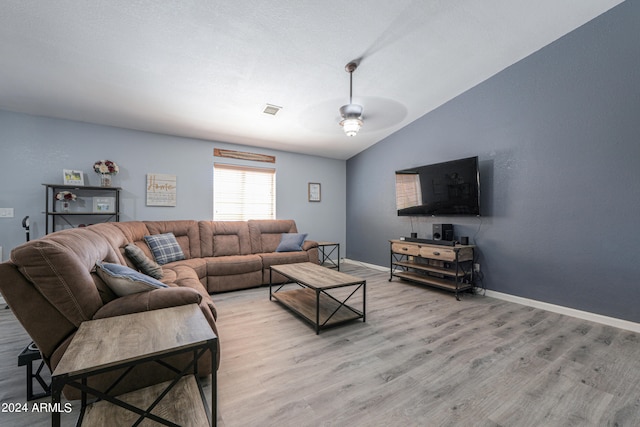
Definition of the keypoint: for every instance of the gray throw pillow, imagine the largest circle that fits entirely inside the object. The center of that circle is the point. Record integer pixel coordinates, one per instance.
(291, 242)
(164, 247)
(123, 280)
(142, 261)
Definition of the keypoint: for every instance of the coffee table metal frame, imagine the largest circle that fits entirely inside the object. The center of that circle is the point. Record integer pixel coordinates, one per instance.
(79, 381)
(312, 298)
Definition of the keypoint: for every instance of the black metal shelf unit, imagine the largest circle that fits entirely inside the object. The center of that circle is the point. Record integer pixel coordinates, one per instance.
(86, 205)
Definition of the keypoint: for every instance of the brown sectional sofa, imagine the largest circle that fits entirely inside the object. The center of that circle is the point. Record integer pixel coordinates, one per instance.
(51, 284)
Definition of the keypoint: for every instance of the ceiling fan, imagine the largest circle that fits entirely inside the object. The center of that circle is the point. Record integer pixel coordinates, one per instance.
(351, 113)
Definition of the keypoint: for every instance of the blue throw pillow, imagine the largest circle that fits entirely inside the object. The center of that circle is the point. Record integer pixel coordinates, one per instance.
(123, 280)
(164, 247)
(291, 242)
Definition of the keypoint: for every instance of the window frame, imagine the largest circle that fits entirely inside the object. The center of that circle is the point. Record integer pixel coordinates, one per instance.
(247, 206)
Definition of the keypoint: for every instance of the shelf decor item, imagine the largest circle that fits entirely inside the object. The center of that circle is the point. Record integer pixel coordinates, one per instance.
(104, 204)
(105, 168)
(73, 177)
(65, 197)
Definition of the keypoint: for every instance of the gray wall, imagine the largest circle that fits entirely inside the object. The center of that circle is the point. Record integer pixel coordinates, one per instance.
(558, 138)
(35, 150)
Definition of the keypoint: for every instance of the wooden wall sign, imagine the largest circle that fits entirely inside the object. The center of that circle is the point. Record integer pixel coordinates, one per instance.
(161, 190)
(241, 155)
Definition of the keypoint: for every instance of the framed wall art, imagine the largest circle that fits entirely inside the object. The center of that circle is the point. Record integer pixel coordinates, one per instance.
(314, 192)
(161, 190)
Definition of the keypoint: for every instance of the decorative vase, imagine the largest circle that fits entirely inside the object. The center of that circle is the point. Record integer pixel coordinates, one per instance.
(65, 206)
(105, 180)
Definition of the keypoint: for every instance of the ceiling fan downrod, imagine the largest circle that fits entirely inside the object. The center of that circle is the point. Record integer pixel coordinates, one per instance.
(351, 113)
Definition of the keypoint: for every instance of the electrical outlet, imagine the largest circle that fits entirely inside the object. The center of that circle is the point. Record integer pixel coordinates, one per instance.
(476, 267)
(6, 212)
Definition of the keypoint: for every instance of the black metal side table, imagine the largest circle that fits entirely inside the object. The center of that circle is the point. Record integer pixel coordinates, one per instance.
(26, 358)
(325, 257)
(109, 344)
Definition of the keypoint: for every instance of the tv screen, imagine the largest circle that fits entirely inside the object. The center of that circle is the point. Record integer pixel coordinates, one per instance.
(449, 188)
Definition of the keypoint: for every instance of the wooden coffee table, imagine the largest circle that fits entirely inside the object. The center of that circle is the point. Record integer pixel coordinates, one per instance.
(124, 341)
(312, 300)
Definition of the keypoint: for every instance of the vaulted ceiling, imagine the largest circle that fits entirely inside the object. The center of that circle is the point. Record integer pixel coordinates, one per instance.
(207, 69)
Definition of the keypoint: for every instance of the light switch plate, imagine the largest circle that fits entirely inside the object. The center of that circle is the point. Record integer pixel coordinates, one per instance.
(6, 212)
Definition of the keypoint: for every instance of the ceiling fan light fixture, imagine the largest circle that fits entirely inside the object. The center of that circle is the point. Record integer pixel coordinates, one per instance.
(351, 118)
(351, 126)
(351, 113)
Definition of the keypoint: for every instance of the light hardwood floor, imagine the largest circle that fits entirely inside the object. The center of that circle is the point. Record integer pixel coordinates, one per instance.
(421, 359)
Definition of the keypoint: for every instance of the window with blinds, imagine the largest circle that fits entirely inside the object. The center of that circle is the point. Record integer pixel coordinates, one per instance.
(241, 193)
(408, 192)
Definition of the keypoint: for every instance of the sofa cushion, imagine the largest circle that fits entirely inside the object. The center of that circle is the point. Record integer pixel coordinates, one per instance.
(134, 231)
(224, 238)
(142, 262)
(266, 234)
(164, 247)
(291, 242)
(186, 277)
(275, 258)
(46, 325)
(234, 282)
(125, 281)
(231, 265)
(147, 301)
(60, 264)
(187, 234)
(198, 265)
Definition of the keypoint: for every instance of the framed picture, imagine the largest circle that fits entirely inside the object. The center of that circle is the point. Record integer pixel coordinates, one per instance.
(72, 177)
(314, 191)
(104, 205)
(161, 189)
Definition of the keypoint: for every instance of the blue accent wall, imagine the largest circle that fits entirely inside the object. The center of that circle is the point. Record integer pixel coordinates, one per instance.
(35, 150)
(558, 140)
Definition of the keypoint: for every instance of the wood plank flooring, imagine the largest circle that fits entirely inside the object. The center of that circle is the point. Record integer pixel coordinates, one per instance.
(421, 359)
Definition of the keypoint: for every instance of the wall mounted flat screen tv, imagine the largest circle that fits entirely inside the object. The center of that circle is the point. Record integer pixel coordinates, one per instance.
(449, 188)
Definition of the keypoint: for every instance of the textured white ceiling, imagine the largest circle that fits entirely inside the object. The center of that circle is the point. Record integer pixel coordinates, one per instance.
(206, 68)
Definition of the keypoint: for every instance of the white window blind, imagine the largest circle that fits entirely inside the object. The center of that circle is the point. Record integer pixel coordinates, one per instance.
(241, 193)
(408, 192)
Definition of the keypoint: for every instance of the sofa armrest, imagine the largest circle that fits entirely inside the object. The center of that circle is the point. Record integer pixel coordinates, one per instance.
(309, 244)
(147, 301)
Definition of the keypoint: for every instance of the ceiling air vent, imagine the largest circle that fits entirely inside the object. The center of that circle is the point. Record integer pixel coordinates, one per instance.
(271, 109)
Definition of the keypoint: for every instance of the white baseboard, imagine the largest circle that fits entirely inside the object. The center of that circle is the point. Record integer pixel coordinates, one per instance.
(585, 315)
(365, 264)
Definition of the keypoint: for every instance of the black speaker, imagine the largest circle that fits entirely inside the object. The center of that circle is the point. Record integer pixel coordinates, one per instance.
(443, 232)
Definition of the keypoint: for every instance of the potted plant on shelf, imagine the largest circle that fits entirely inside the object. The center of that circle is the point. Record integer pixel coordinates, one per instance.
(105, 168)
(65, 197)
